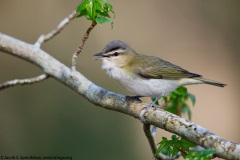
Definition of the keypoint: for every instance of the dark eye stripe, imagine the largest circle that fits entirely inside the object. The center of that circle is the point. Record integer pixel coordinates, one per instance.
(115, 54)
(114, 48)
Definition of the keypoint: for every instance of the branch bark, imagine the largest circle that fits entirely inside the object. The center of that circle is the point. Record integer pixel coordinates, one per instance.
(23, 81)
(117, 102)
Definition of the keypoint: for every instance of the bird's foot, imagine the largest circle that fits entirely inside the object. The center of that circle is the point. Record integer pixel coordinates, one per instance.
(153, 104)
(133, 97)
(145, 110)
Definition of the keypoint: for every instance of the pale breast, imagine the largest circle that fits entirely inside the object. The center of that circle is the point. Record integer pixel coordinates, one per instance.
(149, 87)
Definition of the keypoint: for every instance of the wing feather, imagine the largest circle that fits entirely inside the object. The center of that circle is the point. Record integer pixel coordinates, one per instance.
(156, 68)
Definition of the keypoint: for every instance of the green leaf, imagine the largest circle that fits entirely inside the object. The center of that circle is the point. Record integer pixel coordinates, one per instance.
(181, 90)
(174, 137)
(186, 109)
(192, 98)
(172, 108)
(96, 10)
(165, 145)
(200, 155)
(82, 5)
(102, 20)
(186, 144)
(177, 102)
(99, 6)
(169, 147)
(90, 10)
(82, 13)
(174, 146)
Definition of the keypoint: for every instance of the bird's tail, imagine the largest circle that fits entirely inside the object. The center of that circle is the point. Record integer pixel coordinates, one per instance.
(211, 82)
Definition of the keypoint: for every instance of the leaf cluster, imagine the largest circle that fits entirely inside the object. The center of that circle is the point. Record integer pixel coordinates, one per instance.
(175, 145)
(96, 10)
(177, 102)
(183, 146)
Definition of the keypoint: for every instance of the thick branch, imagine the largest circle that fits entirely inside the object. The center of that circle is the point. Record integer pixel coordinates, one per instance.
(23, 81)
(43, 38)
(117, 102)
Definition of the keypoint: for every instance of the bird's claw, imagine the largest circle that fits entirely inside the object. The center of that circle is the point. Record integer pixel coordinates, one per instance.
(153, 104)
(133, 97)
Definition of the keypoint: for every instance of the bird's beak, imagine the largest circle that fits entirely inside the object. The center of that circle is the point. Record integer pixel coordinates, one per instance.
(98, 56)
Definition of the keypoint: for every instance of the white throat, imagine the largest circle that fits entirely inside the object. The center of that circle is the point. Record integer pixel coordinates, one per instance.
(112, 70)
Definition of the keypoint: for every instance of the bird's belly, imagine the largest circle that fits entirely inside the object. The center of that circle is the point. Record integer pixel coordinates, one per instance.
(139, 86)
(149, 87)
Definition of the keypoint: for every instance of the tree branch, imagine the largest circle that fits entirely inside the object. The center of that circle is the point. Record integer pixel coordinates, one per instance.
(23, 81)
(45, 37)
(151, 140)
(117, 102)
(79, 49)
(39, 42)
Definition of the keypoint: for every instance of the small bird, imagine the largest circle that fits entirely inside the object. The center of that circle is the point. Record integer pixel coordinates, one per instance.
(146, 76)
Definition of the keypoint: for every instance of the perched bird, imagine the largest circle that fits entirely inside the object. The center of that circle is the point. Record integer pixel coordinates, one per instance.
(146, 76)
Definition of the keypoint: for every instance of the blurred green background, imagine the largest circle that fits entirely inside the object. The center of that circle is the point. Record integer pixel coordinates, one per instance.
(50, 119)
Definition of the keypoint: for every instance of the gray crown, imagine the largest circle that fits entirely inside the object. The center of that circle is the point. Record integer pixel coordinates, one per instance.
(114, 45)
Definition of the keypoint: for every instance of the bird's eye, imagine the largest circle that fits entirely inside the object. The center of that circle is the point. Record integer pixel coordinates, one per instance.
(115, 53)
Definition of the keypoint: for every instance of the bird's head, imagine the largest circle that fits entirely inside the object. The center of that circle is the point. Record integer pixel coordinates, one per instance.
(116, 53)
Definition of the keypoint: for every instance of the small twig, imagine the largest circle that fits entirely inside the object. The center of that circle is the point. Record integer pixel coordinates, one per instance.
(61, 25)
(151, 140)
(182, 150)
(79, 49)
(23, 81)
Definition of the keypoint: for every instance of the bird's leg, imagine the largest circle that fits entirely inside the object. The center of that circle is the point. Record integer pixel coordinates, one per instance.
(153, 104)
(154, 130)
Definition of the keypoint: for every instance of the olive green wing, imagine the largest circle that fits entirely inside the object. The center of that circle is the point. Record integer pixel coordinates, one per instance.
(157, 68)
